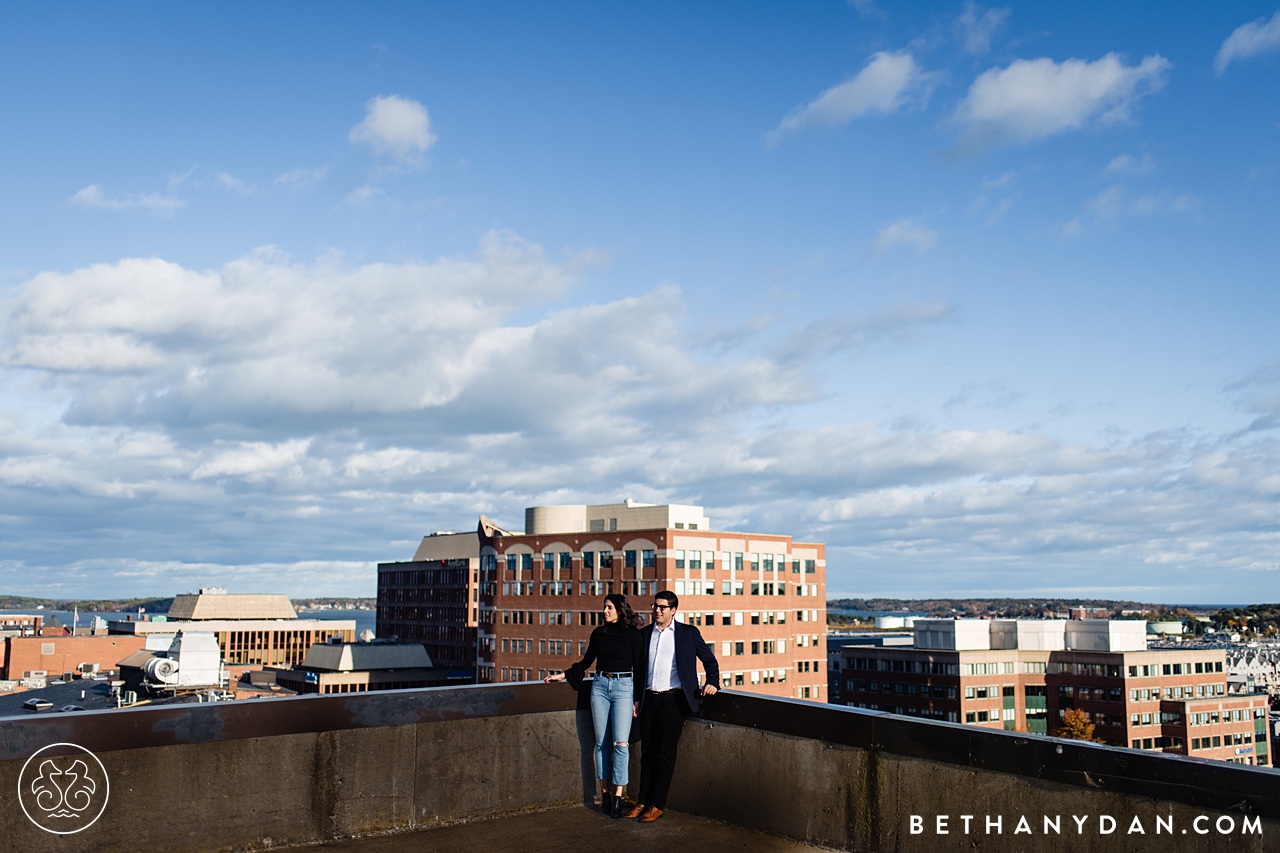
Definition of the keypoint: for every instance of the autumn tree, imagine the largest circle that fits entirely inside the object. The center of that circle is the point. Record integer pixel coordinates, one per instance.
(1076, 726)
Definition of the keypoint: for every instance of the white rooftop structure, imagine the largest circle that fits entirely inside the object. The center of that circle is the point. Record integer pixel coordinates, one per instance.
(1084, 635)
(629, 515)
(1106, 635)
(953, 635)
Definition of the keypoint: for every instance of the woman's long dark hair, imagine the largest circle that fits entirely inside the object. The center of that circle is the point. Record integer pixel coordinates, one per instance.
(626, 616)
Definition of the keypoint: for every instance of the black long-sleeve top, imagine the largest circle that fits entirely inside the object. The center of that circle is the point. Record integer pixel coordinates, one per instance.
(613, 648)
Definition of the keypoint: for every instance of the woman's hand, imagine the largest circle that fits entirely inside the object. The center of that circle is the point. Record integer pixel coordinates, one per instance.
(635, 709)
(559, 676)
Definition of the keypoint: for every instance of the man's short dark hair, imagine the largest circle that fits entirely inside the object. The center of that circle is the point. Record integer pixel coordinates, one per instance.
(668, 596)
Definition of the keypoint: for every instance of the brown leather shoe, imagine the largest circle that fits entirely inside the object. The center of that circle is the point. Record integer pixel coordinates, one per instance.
(634, 812)
(651, 814)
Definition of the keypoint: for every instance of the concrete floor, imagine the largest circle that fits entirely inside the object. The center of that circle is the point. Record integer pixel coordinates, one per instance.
(574, 829)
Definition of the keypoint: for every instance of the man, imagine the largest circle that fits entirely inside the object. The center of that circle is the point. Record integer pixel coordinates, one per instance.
(670, 651)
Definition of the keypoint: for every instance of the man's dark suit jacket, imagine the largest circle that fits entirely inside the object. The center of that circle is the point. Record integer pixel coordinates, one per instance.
(690, 648)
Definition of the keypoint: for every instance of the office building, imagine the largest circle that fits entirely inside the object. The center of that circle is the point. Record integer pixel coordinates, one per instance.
(1025, 674)
(256, 630)
(515, 606)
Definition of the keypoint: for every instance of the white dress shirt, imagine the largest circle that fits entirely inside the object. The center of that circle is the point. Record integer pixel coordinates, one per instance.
(662, 659)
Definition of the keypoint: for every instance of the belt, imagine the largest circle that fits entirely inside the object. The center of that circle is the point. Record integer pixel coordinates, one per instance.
(664, 692)
(615, 674)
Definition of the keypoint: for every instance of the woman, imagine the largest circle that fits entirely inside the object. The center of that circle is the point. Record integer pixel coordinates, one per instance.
(616, 650)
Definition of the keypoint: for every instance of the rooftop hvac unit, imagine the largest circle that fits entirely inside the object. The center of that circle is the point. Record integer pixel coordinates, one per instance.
(163, 670)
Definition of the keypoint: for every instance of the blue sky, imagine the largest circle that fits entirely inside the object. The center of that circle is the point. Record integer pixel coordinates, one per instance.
(983, 297)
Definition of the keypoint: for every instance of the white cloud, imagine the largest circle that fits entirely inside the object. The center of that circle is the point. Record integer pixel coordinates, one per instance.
(1116, 201)
(230, 183)
(1034, 99)
(252, 460)
(365, 194)
(975, 30)
(1127, 164)
(93, 197)
(907, 231)
(1003, 180)
(179, 178)
(889, 82)
(396, 128)
(303, 177)
(1249, 40)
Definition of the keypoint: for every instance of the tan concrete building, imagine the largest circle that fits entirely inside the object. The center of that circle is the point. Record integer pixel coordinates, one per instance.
(515, 606)
(262, 630)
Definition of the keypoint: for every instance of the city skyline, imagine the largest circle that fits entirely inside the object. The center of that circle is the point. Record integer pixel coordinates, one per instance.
(976, 295)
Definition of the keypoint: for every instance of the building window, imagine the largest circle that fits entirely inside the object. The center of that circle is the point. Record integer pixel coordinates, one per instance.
(970, 716)
(549, 561)
(566, 560)
(630, 557)
(695, 559)
(679, 559)
(650, 559)
(810, 567)
(606, 559)
(526, 562)
(738, 648)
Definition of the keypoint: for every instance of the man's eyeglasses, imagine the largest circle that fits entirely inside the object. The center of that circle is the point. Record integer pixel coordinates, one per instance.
(662, 607)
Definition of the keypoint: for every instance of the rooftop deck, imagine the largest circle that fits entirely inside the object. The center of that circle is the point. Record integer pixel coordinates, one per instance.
(576, 829)
(508, 767)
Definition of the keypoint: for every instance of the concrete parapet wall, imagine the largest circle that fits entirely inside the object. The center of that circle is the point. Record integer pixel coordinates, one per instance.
(251, 775)
(199, 792)
(849, 798)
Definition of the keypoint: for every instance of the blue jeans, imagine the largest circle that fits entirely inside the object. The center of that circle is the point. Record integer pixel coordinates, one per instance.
(611, 702)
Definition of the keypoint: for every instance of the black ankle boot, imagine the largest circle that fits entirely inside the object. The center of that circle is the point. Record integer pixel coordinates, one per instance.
(616, 812)
(606, 803)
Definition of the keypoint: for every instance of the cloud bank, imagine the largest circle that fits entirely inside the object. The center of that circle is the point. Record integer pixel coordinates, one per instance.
(281, 426)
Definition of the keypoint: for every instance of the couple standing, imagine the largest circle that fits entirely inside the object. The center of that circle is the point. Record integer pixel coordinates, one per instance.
(648, 673)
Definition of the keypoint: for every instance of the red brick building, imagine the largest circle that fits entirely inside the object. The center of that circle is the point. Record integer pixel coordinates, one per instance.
(517, 606)
(58, 654)
(1170, 700)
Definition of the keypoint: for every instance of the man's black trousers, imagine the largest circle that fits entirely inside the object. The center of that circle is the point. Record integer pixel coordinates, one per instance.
(660, 727)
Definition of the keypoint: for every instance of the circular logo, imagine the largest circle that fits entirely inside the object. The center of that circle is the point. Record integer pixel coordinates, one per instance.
(63, 788)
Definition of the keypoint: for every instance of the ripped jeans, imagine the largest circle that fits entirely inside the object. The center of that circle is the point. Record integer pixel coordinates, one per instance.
(611, 703)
